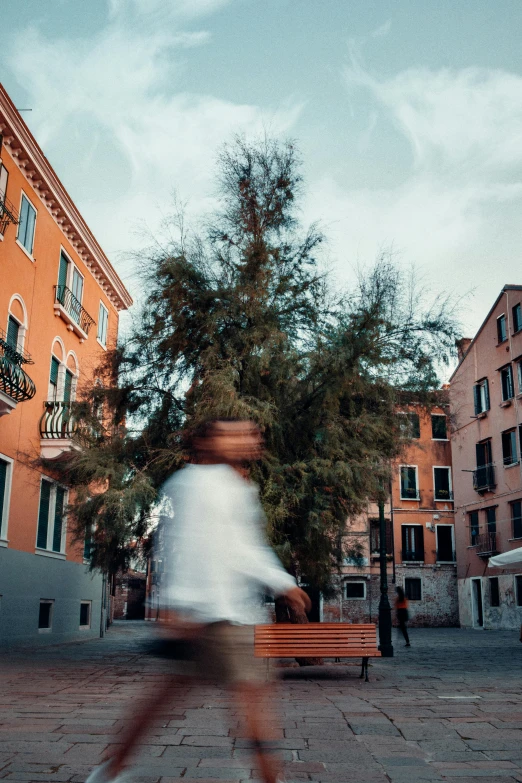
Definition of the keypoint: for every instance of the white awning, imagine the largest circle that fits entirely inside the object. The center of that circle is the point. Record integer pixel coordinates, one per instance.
(507, 558)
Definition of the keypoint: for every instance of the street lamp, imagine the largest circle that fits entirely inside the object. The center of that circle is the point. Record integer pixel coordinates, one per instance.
(385, 621)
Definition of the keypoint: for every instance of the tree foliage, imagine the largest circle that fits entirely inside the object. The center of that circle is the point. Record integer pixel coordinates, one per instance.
(240, 320)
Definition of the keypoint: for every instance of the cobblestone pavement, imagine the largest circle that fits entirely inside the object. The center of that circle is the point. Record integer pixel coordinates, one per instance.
(449, 708)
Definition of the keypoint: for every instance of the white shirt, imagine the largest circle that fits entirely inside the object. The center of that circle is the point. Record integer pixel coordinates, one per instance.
(217, 561)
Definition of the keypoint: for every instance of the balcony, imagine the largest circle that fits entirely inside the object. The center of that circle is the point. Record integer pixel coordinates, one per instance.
(412, 556)
(487, 544)
(58, 426)
(70, 309)
(7, 214)
(15, 384)
(484, 479)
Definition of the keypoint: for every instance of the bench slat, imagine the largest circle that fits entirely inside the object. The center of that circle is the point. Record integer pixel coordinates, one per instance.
(316, 640)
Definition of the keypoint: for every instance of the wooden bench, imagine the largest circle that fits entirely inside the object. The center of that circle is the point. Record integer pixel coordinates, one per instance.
(317, 640)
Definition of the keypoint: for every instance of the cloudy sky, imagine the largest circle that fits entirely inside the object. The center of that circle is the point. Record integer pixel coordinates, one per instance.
(408, 114)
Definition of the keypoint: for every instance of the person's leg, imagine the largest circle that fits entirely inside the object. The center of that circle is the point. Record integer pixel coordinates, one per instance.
(142, 721)
(404, 630)
(253, 700)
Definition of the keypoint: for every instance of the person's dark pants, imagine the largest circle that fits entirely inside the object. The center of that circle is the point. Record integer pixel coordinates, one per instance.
(402, 617)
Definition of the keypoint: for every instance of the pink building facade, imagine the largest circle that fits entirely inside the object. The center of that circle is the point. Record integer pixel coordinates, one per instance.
(486, 446)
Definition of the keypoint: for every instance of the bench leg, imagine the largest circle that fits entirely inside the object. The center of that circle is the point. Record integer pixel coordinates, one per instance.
(267, 677)
(364, 670)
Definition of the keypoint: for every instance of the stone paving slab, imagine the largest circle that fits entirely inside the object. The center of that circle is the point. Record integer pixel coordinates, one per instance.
(448, 709)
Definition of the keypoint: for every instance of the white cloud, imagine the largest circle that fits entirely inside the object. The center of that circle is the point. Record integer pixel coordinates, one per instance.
(452, 207)
(120, 129)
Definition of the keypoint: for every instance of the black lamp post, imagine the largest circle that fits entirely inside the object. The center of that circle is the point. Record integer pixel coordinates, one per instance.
(385, 620)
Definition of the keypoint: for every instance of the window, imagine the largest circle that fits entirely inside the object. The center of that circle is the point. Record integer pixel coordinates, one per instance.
(412, 543)
(4, 175)
(45, 615)
(442, 483)
(501, 328)
(509, 447)
(519, 376)
(516, 518)
(413, 589)
(445, 547)
(85, 614)
(6, 467)
(87, 545)
(355, 590)
(409, 488)
(491, 519)
(51, 528)
(518, 589)
(506, 379)
(13, 333)
(494, 593)
(26, 225)
(409, 425)
(438, 427)
(473, 527)
(103, 320)
(517, 317)
(53, 379)
(484, 477)
(481, 396)
(77, 292)
(375, 536)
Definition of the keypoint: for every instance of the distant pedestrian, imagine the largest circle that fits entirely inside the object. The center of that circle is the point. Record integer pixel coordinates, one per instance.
(401, 606)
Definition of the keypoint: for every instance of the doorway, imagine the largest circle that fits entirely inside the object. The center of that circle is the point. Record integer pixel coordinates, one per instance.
(476, 603)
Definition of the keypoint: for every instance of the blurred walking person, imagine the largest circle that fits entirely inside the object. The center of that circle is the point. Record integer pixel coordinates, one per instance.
(401, 607)
(218, 564)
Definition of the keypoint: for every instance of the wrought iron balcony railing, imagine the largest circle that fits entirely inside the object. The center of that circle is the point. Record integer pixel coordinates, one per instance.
(14, 381)
(484, 478)
(58, 421)
(7, 214)
(410, 493)
(65, 297)
(487, 544)
(412, 555)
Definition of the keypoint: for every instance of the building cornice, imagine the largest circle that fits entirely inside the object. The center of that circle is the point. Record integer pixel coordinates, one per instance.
(35, 167)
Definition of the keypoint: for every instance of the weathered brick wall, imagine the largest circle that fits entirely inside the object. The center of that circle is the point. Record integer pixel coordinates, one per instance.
(438, 606)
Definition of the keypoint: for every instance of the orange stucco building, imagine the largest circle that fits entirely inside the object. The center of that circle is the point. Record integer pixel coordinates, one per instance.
(60, 300)
(420, 538)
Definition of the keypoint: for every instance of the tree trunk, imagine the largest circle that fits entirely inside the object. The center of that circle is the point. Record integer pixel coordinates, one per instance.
(285, 614)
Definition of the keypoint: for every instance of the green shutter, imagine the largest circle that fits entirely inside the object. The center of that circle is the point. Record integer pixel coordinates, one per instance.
(43, 514)
(87, 547)
(62, 271)
(13, 330)
(55, 366)
(22, 221)
(3, 487)
(476, 397)
(67, 388)
(486, 389)
(58, 519)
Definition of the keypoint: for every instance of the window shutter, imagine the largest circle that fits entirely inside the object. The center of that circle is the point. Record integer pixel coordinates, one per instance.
(22, 224)
(58, 519)
(67, 389)
(3, 483)
(404, 532)
(419, 539)
(13, 331)
(476, 396)
(29, 232)
(43, 514)
(62, 271)
(3, 182)
(55, 366)
(510, 381)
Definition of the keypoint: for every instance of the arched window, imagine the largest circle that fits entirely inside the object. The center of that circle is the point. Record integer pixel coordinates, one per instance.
(16, 323)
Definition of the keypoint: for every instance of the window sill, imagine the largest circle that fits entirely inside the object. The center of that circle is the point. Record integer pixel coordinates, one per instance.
(4, 542)
(519, 396)
(519, 538)
(481, 415)
(414, 500)
(50, 553)
(101, 344)
(502, 342)
(25, 251)
(412, 562)
(441, 440)
(45, 630)
(505, 403)
(512, 465)
(84, 628)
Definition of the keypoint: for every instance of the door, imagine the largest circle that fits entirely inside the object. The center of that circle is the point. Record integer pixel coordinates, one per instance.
(478, 616)
(445, 544)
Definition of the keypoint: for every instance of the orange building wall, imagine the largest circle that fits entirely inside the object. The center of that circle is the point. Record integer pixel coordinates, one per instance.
(34, 281)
